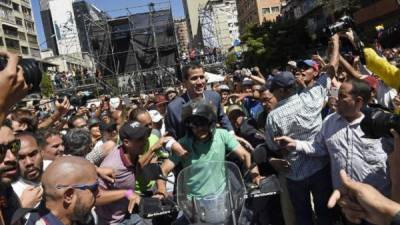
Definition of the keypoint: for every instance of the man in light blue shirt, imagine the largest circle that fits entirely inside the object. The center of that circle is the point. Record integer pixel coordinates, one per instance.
(343, 140)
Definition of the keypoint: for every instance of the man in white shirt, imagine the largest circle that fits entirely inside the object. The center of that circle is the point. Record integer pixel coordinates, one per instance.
(31, 165)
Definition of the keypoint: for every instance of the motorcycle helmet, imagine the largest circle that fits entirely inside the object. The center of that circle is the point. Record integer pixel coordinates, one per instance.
(198, 113)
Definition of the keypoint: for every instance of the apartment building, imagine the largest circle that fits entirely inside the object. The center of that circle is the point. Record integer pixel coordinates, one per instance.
(18, 32)
(257, 11)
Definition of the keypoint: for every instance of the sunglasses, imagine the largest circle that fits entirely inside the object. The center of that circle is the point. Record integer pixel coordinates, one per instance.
(13, 146)
(92, 187)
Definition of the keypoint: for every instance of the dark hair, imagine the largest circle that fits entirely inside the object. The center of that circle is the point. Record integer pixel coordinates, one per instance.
(27, 133)
(133, 115)
(25, 117)
(360, 88)
(77, 142)
(43, 134)
(72, 120)
(108, 127)
(188, 67)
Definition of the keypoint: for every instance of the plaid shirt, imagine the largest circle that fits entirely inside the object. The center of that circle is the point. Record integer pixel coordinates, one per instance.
(299, 117)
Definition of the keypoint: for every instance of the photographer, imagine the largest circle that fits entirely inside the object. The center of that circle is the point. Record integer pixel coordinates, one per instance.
(12, 84)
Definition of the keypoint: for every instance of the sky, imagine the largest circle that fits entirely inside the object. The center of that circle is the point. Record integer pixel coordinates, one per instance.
(115, 6)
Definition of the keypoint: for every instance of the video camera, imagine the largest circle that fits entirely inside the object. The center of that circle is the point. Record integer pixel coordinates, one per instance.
(377, 123)
(342, 24)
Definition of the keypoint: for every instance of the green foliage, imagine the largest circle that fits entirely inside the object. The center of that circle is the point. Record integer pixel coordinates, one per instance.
(230, 61)
(46, 85)
(273, 44)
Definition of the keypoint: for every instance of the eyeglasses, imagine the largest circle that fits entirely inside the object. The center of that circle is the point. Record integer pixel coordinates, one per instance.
(13, 146)
(92, 187)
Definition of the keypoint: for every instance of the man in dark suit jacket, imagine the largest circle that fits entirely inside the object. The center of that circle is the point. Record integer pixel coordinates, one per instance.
(195, 83)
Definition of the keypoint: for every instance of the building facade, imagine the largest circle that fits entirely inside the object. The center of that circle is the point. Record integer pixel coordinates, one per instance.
(191, 9)
(219, 24)
(182, 36)
(18, 31)
(257, 11)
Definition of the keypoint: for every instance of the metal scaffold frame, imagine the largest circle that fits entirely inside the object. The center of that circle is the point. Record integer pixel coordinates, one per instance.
(138, 78)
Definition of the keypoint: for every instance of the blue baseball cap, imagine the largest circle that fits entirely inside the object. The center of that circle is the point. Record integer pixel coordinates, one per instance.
(283, 79)
(308, 63)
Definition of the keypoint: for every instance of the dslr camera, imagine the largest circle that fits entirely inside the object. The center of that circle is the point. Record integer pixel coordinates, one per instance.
(342, 24)
(32, 72)
(377, 123)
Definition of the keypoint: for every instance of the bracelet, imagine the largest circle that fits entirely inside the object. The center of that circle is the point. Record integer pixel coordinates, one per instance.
(128, 194)
(169, 144)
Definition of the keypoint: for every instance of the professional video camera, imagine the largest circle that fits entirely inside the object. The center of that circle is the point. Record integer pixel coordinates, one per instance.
(377, 123)
(32, 72)
(342, 24)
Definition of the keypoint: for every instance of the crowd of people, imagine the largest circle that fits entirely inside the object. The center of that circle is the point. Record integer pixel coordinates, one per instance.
(77, 164)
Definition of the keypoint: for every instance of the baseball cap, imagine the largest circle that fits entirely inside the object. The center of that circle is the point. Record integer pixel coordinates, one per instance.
(292, 63)
(161, 99)
(133, 131)
(170, 89)
(308, 63)
(223, 87)
(283, 79)
(155, 116)
(247, 81)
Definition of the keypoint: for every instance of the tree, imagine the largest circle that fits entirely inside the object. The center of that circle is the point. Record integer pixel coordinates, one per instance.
(46, 85)
(273, 44)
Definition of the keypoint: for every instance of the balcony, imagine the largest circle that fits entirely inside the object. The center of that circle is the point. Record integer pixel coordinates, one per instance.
(6, 3)
(27, 16)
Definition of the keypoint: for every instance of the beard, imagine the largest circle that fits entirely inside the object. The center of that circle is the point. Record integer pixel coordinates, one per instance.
(38, 175)
(82, 213)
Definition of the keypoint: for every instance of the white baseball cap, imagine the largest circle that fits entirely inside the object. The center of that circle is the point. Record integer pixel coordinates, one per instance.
(155, 116)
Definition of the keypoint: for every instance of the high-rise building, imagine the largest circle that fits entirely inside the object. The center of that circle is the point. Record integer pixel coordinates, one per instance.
(182, 35)
(18, 33)
(219, 24)
(191, 8)
(257, 11)
(64, 26)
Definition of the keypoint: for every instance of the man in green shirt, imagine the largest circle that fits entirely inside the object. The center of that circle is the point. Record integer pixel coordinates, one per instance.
(206, 148)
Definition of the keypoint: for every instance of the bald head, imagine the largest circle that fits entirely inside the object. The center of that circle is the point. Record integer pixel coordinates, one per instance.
(67, 170)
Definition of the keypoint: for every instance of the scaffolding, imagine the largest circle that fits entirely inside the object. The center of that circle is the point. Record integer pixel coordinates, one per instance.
(130, 49)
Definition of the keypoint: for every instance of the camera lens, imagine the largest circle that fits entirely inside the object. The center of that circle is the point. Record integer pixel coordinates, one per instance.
(32, 73)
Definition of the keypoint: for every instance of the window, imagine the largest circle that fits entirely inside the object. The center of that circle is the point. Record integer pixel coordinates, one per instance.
(275, 9)
(11, 43)
(32, 39)
(18, 21)
(25, 50)
(9, 30)
(35, 52)
(29, 26)
(266, 10)
(15, 6)
(22, 36)
(1, 41)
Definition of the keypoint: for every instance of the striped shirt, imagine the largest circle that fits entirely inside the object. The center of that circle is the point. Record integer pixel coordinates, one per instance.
(299, 117)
